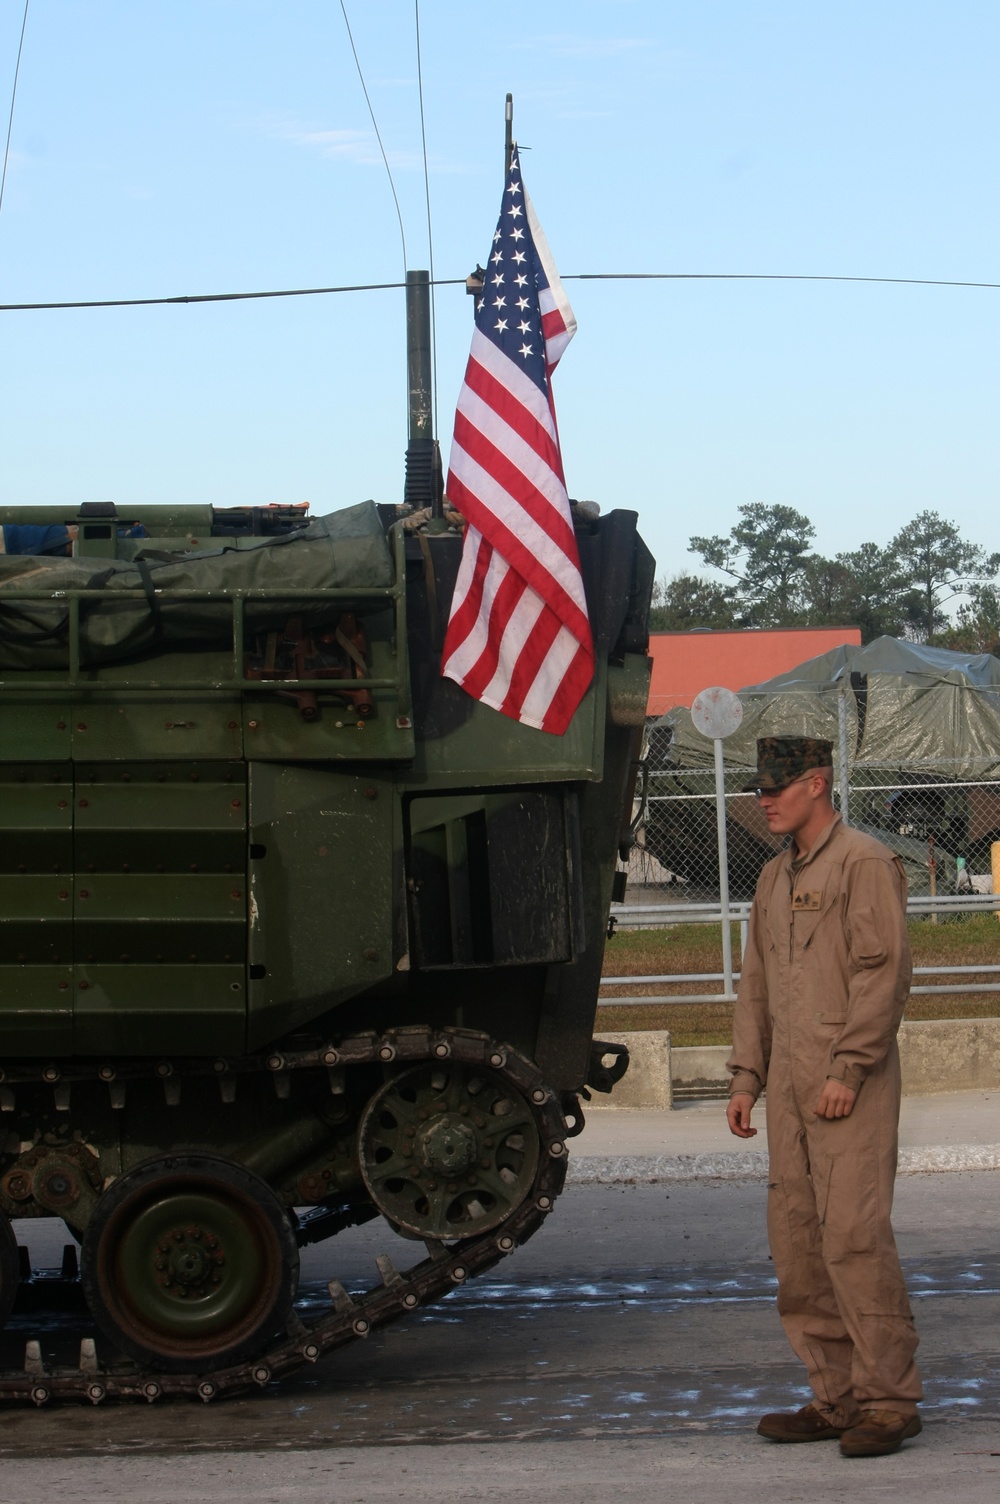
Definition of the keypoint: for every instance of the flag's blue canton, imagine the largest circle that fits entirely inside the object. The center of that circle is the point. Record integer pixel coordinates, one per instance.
(508, 312)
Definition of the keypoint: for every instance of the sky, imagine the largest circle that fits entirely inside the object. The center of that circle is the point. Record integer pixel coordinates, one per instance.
(164, 147)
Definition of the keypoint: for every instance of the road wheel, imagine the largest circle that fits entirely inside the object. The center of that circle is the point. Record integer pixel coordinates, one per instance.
(190, 1263)
(448, 1151)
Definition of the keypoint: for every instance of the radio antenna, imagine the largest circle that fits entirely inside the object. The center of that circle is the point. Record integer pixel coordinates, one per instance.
(509, 133)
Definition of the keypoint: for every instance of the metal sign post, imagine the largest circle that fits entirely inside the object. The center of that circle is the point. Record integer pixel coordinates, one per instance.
(717, 713)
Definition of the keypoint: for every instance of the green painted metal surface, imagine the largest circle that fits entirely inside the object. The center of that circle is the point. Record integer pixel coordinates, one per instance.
(212, 844)
(323, 870)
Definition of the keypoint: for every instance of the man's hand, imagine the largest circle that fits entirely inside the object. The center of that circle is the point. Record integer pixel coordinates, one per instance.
(738, 1110)
(835, 1101)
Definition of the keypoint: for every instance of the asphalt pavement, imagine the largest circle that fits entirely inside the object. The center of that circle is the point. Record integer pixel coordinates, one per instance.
(626, 1352)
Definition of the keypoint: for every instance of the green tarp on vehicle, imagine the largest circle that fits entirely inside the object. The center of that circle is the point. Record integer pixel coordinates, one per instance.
(346, 550)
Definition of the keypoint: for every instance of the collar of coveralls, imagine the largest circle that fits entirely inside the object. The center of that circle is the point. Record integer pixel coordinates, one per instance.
(792, 858)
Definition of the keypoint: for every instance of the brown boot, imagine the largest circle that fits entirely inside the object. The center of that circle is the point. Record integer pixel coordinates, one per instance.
(807, 1424)
(876, 1432)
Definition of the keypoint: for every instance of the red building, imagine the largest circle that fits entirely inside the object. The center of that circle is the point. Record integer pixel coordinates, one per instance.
(684, 663)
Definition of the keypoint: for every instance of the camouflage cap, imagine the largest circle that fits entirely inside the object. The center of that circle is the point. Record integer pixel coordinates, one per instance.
(783, 759)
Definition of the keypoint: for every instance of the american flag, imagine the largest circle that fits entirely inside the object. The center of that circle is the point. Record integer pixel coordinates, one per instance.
(518, 636)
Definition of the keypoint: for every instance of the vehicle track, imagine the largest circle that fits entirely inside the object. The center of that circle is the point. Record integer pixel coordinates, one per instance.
(347, 1317)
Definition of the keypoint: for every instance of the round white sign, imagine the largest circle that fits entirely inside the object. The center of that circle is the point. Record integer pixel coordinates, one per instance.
(716, 713)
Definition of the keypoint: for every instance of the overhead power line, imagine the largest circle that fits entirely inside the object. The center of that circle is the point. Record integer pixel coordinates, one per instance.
(378, 133)
(312, 292)
(13, 99)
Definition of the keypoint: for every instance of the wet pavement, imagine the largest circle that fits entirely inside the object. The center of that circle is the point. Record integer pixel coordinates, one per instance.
(581, 1335)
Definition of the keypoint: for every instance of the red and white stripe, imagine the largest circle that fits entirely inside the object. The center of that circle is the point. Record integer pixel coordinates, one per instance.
(518, 636)
(558, 318)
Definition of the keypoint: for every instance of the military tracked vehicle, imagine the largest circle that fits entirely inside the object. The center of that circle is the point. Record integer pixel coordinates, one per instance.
(293, 933)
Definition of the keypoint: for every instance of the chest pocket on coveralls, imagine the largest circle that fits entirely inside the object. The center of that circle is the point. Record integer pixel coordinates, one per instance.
(867, 945)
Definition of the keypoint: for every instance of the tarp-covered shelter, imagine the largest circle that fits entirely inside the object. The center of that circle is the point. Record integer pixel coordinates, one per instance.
(922, 734)
(924, 710)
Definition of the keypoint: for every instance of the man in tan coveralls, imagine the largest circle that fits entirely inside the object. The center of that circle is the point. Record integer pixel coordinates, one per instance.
(824, 980)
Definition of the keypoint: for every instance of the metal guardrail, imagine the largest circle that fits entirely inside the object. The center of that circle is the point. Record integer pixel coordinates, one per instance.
(661, 915)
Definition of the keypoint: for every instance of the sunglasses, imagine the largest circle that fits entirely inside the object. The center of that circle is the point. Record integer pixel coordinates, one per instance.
(760, 793)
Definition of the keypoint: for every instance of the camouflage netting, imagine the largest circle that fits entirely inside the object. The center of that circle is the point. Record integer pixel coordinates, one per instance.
(346, 550)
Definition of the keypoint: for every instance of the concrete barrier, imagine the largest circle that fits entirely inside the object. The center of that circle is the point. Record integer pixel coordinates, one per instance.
(647, 1085)
(936, 1055)
(950, 1054)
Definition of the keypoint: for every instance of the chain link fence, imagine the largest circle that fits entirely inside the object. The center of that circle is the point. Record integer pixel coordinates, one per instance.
(926, 802)
(942, 831)
(916, 767)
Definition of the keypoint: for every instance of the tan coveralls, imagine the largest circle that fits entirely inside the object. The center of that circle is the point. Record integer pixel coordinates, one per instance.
(824, 981)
